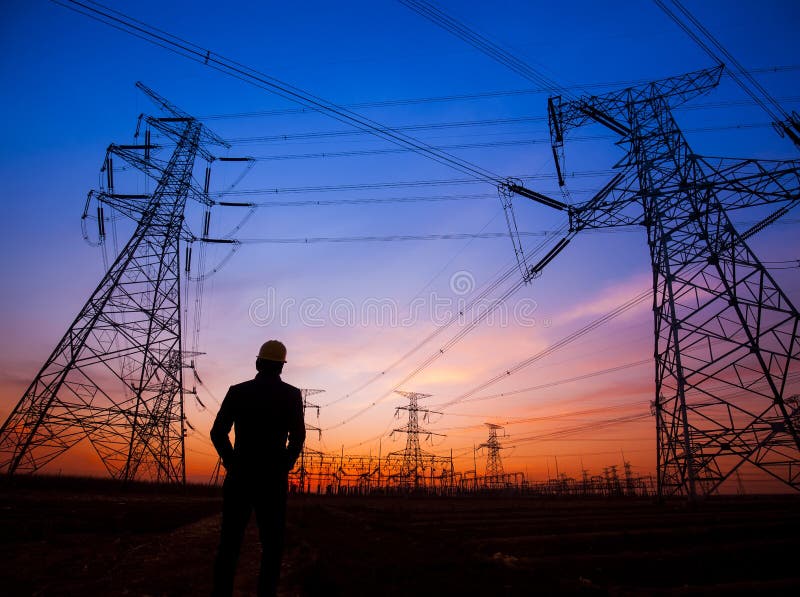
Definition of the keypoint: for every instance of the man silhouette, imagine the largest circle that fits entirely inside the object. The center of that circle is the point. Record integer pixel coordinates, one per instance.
(265, 412)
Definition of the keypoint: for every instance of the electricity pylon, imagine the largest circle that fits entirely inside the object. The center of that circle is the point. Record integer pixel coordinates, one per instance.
(726, 335)
(116, 377)
(413, 458)
(306, 392)
(494, 465)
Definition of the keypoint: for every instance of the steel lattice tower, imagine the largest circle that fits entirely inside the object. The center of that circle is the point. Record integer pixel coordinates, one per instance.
(306, 392)
(413, 458)
(726, 335)
(494, 465)
(116, 377)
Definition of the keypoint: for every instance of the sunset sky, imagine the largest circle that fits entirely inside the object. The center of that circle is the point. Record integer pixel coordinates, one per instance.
(69, 92)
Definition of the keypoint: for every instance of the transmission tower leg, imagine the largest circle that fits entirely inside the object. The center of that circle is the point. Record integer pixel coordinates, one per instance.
(726, 341)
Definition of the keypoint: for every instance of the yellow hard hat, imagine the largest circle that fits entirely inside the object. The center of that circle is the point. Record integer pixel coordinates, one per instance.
(273, 350)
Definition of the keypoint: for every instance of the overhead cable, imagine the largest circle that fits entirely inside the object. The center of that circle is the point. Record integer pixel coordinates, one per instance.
(237, 70)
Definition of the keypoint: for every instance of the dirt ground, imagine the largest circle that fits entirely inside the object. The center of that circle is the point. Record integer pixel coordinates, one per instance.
(92, 540)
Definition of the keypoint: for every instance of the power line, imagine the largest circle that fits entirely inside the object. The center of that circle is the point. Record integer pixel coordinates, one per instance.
(784, 123)
(436, 332)
(236, 243)
(558, 434)
(714, 56)
(387, 238)
(485, 45)
(487, 95)
(485, 122)
(187, 49)
(388, 185)
(593, 426)
(559, 382)
(502, 277)
(784, 264)
(309, 240)
(479, 145)
(542, 354)
(362, 200)
(408, 127)
(543, 418)
(594, 324)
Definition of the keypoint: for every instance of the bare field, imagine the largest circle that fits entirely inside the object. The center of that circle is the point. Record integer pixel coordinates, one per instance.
(92, 538)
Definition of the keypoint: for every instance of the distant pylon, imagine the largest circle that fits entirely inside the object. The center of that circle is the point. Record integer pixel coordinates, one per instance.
(116, 377)
(413, 458)
(306, 392)
(494, 464)
(303, 472)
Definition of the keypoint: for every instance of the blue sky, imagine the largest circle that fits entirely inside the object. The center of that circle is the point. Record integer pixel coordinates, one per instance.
(69, 92)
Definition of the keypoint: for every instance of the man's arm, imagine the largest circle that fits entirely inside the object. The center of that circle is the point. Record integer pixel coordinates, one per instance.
(297, 431)
(221, 429)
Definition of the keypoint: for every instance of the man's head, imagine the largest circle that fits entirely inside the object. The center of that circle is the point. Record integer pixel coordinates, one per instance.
(271, 357)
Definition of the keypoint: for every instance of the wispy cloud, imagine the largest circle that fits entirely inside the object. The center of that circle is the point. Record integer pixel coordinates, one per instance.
(609, 299)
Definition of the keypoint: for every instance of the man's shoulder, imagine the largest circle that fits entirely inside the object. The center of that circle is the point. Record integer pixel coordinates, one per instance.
(253, 385)
(289, 388)
(245, 385)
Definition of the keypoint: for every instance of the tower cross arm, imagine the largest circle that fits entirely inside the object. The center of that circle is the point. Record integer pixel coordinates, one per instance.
(613, 109)
(207, 135)
(151, 168)
(750, 183)
(131, 206)
(173, 127)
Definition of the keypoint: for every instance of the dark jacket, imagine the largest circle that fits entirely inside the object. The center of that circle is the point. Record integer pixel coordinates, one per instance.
(264, 412)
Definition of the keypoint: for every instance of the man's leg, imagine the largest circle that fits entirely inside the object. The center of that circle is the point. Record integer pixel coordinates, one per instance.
(270, 507)
(235, 514)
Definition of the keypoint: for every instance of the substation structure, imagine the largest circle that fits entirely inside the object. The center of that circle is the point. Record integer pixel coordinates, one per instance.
(413, 470)
(347, 474)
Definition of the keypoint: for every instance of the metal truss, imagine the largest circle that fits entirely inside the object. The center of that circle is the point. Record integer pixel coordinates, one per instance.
(116, 377)
(303, 470)
(414, 460)
(726, 335)
(494, 465)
